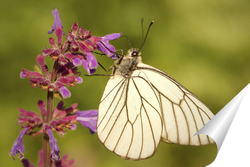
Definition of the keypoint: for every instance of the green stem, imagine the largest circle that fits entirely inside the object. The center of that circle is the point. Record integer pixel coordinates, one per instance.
(48, 118)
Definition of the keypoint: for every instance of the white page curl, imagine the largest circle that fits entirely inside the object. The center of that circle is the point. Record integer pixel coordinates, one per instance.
(230, 128)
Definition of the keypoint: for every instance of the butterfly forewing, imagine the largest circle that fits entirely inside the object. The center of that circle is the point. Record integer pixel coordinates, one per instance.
(129, 120)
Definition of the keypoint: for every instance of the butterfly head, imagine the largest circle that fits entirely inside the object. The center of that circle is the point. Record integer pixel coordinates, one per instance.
(133, 52)
(125, 65)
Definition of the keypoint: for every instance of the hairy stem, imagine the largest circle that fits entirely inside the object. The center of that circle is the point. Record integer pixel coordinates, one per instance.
(47, 119)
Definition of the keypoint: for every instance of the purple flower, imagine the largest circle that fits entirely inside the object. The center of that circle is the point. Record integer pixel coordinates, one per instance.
(76, 62)
(81, 40)
(78, 43)
(57, 21)
(65, 92)
(18, 146)
(31, 119)
(62, 119)
(53, 144)
(90, 64)
(107, 48)
(78, 47)
(88, 119)
(79, 80)
(67, 74)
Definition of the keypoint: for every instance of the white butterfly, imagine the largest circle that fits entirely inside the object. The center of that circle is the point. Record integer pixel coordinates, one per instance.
(142, 105)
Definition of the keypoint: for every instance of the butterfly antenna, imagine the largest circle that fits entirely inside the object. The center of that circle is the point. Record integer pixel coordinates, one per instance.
(144, 39)
(142, 31)
(128, 41)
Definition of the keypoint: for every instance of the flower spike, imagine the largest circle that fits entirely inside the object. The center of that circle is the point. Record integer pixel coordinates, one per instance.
(78, 49)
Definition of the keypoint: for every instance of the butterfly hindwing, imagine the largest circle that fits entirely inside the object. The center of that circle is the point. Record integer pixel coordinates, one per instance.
(183, 114)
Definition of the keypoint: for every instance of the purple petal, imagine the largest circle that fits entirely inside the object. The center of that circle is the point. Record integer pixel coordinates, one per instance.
(91, 60)
(41, 62)
(92, 71)
(107, 48)
(22, 75)
(79, 80)
(41, 107)
(57, 21)
(87, 113)
(53, 144)
(88, 119)
(77, 62)
(86, 66)
(30, 74)
(89, 123)
(65, 92)
(18, 146)
(110, 37)
(25, 113)
(73, 127)
(59, 32)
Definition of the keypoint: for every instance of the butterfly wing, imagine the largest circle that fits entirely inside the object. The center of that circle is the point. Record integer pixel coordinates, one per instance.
(135, 112)
(129, 120)
(183, 114)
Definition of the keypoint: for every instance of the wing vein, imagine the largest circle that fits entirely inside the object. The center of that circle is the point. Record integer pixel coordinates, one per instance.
(176, 123)
(120, 137)
(184, 114)
(112, 125)
(111, 105)
(196, 126)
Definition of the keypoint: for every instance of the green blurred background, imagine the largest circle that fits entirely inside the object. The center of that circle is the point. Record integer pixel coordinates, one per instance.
(202, 44)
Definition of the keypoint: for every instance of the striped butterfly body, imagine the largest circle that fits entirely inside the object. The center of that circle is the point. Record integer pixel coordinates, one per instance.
(142, 105)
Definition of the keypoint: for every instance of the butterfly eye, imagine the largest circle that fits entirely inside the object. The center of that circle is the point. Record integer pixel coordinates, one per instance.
(134, 53)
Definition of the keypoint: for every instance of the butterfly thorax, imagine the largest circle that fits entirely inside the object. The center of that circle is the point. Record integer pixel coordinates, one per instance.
(127, 64)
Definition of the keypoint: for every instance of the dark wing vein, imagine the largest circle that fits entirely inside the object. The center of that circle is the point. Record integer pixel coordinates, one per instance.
(203, 122)
(177, 126)
(113, 89)
(184, 114)
(114, 108)
(196, 126)
(141, 132)
(146, 110)
(113, 125)
(150, 84)
(112, 100)
(198, 106)
(171, 79)
(186, 93)
(120, 136)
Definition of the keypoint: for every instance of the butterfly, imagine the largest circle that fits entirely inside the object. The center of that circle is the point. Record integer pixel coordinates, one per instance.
(141, 105)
